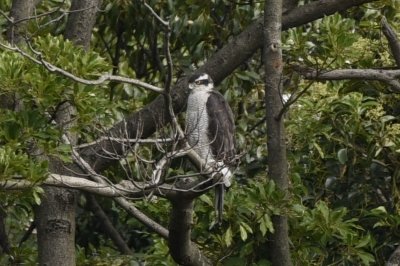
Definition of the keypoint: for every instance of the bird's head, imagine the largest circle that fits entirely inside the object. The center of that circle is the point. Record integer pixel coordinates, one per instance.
(201, 82)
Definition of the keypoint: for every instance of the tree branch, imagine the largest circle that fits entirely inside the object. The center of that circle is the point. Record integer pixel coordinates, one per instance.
(388, 76)
(394, 42)
(100, 80)
(107, 225)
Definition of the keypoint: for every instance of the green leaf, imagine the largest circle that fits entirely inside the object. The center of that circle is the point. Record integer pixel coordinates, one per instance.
(247, 227)
(319, 149)
(364, 241)
(206, 199)
(266, 225)
(228, 237)
(12, 130)
(342, 156)
(243, 233)
(36, 197)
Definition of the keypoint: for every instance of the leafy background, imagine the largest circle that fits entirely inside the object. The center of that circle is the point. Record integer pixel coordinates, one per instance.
(343, 137)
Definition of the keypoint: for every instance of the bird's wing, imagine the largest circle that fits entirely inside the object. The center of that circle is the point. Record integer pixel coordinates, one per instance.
(221, 128)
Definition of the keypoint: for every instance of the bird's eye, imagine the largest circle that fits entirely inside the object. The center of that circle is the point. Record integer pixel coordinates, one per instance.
(202, 82)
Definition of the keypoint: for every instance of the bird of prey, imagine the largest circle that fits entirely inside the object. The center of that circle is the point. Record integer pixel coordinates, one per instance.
(210, 130)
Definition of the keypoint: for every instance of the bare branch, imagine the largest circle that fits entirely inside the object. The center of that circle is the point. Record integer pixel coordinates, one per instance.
(160, 20)
(292, 99)
(122, 140)
(100, 80)
(107, 225)
(128, 206)
(388, 76)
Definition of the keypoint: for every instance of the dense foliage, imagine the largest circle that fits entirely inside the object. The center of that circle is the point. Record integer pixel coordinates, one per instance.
(343, 137)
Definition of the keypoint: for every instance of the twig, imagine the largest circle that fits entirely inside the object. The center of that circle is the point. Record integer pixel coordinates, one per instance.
(163, 22)
(292, 99)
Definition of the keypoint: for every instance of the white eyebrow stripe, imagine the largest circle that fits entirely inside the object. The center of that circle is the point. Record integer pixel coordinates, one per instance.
(202, 77)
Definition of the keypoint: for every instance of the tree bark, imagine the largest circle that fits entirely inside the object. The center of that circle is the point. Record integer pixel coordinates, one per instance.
(394, 259)
(277, 160)
(81, 21)
(181, 248)
(4, 243)
(55, 220)
(20, 10)
(55, 217)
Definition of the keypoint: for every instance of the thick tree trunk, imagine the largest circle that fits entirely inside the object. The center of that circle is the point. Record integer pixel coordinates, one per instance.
(20, 10)
(181, 248)
(55, 217)
(277, 160)
(55, 221)
(81, 21)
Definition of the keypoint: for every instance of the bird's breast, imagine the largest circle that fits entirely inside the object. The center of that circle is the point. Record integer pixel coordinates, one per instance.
(197, 123)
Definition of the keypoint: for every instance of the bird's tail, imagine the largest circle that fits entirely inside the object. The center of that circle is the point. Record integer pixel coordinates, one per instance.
(219, 201)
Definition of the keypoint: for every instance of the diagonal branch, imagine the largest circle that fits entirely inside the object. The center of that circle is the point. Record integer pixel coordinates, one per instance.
(107, 225)
(394, 42)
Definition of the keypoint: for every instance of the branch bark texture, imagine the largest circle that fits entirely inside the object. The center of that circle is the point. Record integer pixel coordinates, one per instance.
(20, 10)
(81, 21)
(277, 159)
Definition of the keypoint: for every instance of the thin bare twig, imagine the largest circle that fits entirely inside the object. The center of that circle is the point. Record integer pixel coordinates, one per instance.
(160, 20)
(292, 99)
